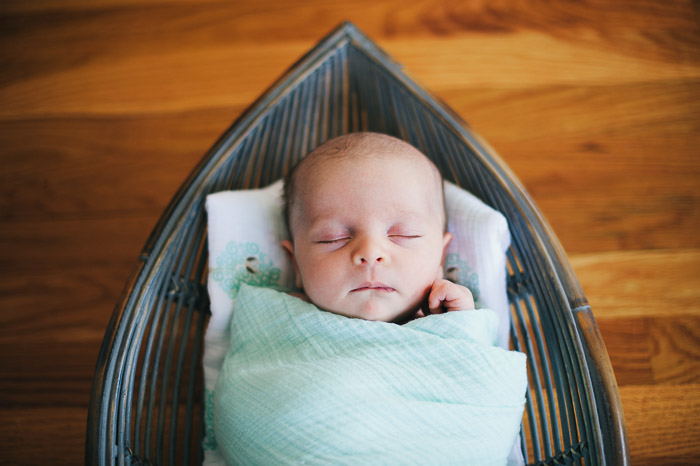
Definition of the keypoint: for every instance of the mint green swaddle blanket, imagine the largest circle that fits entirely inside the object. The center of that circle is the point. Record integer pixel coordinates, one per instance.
(300, 385)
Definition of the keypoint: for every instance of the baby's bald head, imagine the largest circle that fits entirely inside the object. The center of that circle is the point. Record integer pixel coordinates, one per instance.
(348, 148)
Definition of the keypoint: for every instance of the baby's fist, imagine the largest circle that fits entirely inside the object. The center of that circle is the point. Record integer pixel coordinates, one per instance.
(446, 296)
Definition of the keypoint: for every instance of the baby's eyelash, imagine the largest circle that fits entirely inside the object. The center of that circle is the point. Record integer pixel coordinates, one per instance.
(331, 241)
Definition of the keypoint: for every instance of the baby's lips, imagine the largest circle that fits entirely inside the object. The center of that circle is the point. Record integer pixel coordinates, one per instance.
(373, 286)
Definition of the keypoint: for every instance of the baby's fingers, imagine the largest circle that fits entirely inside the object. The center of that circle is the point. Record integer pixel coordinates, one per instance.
(447, 296)
(438, 295)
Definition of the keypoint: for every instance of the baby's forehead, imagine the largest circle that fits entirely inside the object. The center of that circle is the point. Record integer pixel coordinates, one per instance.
(406, 186)
(398, 210)
(396, 173)
(318, 165)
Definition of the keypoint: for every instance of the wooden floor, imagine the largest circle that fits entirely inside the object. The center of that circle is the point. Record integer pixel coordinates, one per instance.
(106, 106)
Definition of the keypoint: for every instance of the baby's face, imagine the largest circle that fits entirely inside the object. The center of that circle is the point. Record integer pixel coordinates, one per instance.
(368, 236)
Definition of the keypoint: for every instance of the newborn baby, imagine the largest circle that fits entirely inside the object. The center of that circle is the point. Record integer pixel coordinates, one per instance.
(366, 215)
(345, 384)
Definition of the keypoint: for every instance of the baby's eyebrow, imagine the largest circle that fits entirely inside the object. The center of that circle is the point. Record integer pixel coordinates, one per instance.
(311, 217)
(401, 226)
(323, 224)
(413, 216)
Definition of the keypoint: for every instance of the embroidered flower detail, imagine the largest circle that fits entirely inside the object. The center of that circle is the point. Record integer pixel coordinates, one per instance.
(458, 271)
(244, 263)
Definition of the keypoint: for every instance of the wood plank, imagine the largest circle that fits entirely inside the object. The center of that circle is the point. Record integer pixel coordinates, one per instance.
(55, 245)
(662, 423)
(72, 168)
(640, 283)
(646, 305)
(66, 305)
(628, 342)
(599, 20)
(653, 350)
(37, 435)
(660, 111)
(212, 76)
(208, 77)
(116, 72)
(675, 356)
(47, 373)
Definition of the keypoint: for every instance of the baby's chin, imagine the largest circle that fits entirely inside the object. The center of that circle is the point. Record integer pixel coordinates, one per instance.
(377, 312)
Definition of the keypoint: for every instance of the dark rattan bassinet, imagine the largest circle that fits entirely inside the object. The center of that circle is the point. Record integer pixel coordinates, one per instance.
(146, 405)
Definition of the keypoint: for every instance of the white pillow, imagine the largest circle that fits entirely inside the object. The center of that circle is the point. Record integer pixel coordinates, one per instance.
(476, 256)
(245, 231)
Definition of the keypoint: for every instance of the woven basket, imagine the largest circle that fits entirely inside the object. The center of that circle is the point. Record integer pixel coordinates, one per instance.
(146, 405)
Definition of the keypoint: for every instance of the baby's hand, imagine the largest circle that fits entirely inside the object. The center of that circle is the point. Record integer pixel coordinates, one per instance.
(446, 296)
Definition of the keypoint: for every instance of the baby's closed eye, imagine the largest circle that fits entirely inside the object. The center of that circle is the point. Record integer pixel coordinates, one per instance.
(332, 237)
(402, 233)
(333, 241)
(404, 237)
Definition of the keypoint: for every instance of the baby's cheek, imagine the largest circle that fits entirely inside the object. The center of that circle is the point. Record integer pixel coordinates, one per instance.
(320, 287)
(421, 294)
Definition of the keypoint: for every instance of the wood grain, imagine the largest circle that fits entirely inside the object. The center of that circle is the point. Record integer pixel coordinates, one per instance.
(33, 435)
(106, 106)
(645, 282)
(126, 64)
(662, 423)
(118, 162)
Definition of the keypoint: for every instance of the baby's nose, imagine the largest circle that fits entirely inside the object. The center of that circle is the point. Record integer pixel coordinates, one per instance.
(369, 252)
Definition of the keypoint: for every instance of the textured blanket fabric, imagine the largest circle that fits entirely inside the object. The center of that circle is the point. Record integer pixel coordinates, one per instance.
(300, 385)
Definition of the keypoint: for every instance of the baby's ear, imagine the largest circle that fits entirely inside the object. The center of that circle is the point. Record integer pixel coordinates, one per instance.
(289, 249)
(446, 239)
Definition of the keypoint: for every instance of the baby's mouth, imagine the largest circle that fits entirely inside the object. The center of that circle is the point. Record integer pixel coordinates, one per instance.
(373, 286)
